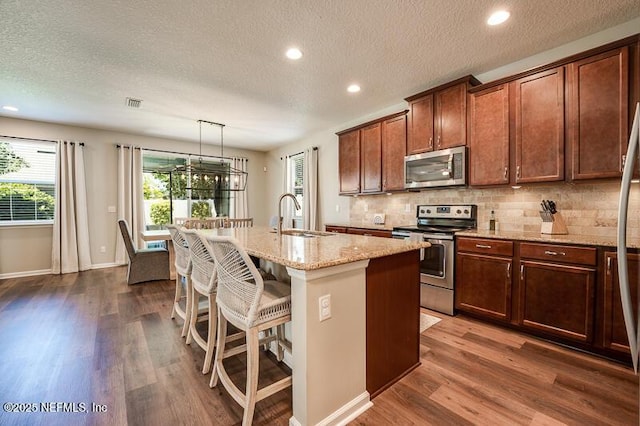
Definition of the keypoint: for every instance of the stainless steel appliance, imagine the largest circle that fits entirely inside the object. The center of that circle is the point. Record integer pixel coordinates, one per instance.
(447, 167)
(632, 323)
(437, 224)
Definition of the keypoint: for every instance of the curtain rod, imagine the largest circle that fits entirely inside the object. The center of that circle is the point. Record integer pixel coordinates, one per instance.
(180, 153)
(36, 140)
(315, 148)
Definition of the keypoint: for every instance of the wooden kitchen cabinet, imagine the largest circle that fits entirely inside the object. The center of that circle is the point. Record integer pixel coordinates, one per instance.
(489, 136)
(394, 149)
(557, 290)
(349, 162)
(437, 118)
(484, 278)
(598, 114)
(539, 127)
(369, 232)
(336, 229)
(371, 158)
(614, 332)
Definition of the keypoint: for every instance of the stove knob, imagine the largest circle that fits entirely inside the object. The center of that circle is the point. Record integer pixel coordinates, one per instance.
(428, 211)
(466, 211)
(458, 211)
(421, 211)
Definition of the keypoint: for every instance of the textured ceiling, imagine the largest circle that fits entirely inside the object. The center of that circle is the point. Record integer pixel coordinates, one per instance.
(75, 62)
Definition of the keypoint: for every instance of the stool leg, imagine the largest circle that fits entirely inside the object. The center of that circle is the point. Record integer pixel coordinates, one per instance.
(177, 296)
(187, 308)
(279, 340)
(194, 314)
(211, 333)
(252, 376)
(220, 345)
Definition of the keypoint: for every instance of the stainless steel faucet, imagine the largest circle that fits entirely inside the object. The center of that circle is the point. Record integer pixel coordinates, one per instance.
(295, 202)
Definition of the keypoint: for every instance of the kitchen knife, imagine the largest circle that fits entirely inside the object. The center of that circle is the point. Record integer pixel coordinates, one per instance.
(544, 208)
(552, 207)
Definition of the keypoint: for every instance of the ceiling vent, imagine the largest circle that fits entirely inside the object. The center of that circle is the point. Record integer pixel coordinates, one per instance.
(134, 103)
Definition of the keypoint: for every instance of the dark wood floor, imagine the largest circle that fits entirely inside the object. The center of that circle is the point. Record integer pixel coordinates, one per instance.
(89, 338)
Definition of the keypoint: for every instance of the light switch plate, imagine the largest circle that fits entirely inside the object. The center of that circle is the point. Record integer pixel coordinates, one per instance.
(378, 218)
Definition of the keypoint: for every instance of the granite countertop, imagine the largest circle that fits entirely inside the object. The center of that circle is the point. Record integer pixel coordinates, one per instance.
(315, 252)
(589, 240)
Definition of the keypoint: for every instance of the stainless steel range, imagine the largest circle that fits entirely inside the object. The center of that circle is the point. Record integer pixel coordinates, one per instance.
(437, 224)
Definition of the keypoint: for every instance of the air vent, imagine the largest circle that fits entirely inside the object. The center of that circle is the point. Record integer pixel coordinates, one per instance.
(134, 103)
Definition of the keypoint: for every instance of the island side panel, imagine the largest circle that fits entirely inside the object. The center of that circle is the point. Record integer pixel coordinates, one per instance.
(393, 319)
(329, 357)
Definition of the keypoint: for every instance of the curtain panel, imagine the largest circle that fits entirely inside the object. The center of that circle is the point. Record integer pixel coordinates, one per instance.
(310, 189)
(130, 198)
(240, 200)
(71, 246)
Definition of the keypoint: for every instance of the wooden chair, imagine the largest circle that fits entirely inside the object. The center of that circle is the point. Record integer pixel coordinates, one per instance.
(252, 305)
(239, 223)
(183, 272)
(216, 222)
(180, 221)
(204, 223)
(203, 283)
(144, 264)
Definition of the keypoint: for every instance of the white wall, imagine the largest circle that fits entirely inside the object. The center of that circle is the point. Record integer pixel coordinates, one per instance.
(28, 249)
(327, 142)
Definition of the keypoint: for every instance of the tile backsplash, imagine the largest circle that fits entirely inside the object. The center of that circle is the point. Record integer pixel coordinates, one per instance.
(587, 208)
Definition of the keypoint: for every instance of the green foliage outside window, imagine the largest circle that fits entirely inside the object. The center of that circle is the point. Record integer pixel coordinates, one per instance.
(201, 210)
(160, 213)
(28, 202)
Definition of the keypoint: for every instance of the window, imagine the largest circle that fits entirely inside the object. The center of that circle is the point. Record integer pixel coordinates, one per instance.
(295, 182)
(177, 186)
(27, 181)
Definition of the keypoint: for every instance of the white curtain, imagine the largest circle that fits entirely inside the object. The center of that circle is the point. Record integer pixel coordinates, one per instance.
(287, 205)
(130, 198)
(71, 247)
(240, 200)
(310, 189)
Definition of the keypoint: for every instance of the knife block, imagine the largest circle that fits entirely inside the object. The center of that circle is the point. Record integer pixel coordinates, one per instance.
(555, 226)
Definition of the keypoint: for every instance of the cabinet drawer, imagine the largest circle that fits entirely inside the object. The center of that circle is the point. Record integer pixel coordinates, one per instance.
(486, 246)
(338, 229)
(369, 232)
(558, 253)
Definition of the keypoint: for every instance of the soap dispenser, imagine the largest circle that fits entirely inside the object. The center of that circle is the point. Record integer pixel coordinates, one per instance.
(492, 221)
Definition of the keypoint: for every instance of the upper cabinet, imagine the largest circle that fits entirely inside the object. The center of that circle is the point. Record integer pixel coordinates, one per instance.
(572, 114)
(539, 127)
(371, 156)
(437, 118)
(349, 162)
(598, 114)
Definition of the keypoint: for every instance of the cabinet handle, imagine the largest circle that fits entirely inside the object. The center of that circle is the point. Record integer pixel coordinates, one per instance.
(521, 272)
(608, 266)
(484, 246)
(438, 141)
(431, 142)
(624, 161)
(555, 253)
(368, 235)
(506, 173)
(509, 270)
(518, 172)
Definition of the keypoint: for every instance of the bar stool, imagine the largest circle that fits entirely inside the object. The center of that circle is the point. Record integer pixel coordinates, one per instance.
(183, 271)
(203, 282)
(252, 305)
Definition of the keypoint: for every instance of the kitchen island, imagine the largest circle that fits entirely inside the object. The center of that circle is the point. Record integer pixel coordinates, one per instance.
(365, 277)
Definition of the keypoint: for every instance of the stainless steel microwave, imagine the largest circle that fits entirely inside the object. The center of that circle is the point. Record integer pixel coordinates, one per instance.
(447, 167)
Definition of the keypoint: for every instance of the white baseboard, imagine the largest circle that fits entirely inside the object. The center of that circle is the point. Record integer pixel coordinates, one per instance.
(25, 274)
(344, 414)
(106, 265)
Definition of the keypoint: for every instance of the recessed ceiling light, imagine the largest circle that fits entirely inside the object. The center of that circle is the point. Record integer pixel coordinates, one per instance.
(294, 53)
(354, 88)
(498, 17)
(10, 108)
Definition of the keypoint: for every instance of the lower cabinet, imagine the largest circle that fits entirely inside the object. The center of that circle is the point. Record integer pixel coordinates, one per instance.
(359, 231)
(483, 278)
(614, 332)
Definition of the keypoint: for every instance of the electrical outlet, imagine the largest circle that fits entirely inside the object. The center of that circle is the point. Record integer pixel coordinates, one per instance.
(337, 207)
(366, 207)
(111, 209)
(103, 249)
(324, 307)
(407, 208)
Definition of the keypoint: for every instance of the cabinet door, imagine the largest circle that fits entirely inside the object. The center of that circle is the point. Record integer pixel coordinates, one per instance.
(371, 158)
(349, 162)
(539, 127)
(420, 126)
(451, 117)
(614, 330)
(598, 114)
(489, 136)
(394, 142)
(483, 286)
(558, 300)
